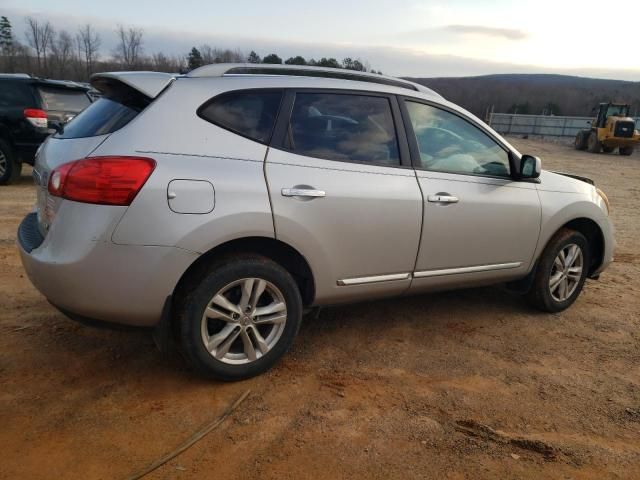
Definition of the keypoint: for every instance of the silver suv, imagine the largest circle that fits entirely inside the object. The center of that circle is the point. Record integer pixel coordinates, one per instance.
(218, 206)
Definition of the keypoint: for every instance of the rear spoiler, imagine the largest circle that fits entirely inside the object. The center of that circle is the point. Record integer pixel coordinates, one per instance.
(150, 84)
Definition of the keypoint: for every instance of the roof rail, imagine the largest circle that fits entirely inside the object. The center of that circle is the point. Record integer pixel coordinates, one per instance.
(15, 75)
(222, 69)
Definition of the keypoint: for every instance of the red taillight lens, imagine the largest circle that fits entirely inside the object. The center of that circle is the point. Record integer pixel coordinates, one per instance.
(36, 117)
(101, 180)
(34, 113)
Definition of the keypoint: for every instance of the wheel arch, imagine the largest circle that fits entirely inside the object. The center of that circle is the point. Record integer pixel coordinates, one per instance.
(280, 252)
(594, 235)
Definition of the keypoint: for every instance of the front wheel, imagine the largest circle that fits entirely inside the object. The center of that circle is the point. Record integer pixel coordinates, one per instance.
(626, 151)
(561, 272)
(593, 144)
(241, 318)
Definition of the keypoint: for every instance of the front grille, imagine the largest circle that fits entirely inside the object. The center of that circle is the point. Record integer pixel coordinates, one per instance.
(624, 129)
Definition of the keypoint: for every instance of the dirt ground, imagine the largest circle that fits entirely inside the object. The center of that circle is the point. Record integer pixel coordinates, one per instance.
(466, 384)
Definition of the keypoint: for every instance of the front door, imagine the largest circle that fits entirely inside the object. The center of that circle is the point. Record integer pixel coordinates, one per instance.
(479, 224)
(341, 194)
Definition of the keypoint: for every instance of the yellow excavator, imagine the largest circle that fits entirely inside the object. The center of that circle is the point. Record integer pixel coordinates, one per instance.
(612, 128)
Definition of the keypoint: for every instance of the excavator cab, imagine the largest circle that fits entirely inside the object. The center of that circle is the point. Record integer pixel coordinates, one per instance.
(612, 128)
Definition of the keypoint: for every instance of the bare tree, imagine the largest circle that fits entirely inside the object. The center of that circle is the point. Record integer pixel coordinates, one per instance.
(129, 46)
(88, 42)
(39, 37)
(62, 54)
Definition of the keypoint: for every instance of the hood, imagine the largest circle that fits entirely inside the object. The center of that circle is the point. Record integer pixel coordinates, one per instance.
(565, 182)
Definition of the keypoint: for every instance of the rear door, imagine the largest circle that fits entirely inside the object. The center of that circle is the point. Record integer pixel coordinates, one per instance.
(343, 191)
(479, 224)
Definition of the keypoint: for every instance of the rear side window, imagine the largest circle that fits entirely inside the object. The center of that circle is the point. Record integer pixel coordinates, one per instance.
(64, 100)
(14, 94)
(250, 113)
(104, 116)
(344, 127)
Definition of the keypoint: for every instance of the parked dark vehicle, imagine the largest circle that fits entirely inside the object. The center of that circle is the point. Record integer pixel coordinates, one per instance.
(31, 109)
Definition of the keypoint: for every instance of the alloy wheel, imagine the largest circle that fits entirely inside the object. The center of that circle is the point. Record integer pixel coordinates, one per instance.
(243, 321)
(566, 272)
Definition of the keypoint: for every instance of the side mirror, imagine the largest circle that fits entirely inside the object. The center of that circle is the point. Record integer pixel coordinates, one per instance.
(530, 166)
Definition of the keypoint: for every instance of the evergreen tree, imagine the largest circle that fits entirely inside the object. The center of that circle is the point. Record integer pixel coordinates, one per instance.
(6, 36)
(298, 60)
(194, 59)
(273, 59)
(254, 58)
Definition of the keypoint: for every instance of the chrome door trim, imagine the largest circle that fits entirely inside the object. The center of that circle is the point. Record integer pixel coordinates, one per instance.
(442, 199)
(302, 192)
(374, 279)
(477, 268)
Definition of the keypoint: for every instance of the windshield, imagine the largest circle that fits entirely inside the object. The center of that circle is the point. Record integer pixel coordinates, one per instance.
(617, 111)
(105, 115)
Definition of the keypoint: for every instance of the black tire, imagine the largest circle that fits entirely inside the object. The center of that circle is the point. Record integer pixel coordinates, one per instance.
(540, 294)
(10, 166)
(626, 151)
(593, 144)
(580, 143)
(608, 149)
(194, 303)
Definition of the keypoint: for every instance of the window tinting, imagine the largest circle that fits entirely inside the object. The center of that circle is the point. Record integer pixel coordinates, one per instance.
(447, 143)
(249, 113)
(105, 115)
(16, 94)
(61, 100)
(343, 127)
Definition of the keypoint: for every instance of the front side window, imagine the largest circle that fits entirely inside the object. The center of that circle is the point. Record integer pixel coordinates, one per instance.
(343, 127)
(251, 113)
(447, 143)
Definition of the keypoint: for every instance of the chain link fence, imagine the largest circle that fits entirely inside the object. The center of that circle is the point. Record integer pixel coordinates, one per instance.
(542, 125)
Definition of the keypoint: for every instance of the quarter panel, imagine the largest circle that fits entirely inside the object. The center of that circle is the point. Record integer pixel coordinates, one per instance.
(185, 146)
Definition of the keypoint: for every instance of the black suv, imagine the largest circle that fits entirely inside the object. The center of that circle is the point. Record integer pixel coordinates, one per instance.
(30, 109)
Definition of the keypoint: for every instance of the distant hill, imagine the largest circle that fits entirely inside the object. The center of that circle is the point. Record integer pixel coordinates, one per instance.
(534, 93)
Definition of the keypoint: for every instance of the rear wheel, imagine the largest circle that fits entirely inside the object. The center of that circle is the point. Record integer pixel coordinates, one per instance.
(608, 149)
(593, 144)
(626, 151)
(240, 319)
(580, 142)
(10, 166)
(561, 272)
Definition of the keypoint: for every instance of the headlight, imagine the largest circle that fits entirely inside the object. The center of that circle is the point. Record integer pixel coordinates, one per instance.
(604, 199)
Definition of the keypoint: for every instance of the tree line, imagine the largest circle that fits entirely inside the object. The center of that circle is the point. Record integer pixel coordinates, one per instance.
(51, 53)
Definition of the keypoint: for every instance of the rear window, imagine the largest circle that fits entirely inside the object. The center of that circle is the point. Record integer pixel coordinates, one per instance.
(14, 94)
(104, 116)
(64, 100)
(250, 113)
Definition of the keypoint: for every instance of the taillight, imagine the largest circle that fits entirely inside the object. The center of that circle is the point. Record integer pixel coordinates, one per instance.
(36, 117)
(101, 180)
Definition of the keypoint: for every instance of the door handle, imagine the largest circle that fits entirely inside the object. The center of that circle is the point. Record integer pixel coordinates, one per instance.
(302, 192)
(440, 198)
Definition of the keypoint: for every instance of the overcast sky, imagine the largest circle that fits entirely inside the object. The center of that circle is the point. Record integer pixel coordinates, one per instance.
(400, 37)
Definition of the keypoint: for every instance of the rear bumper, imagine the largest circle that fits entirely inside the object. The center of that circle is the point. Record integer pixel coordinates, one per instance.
(87, 276)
